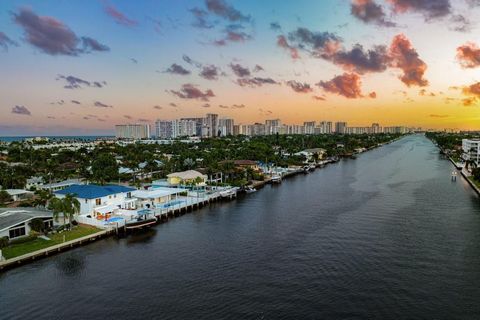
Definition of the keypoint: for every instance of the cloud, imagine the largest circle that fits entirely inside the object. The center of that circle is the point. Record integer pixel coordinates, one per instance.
(468, 55)
(101, 105)
(438, 115)
(157, 107)
(52, 36)
(347, 85)
(319, 98)
(232, 34)
(190, 91)
(283, 43)
(77, 83)
(143, 120)
(119, 17)
(75, 101)
(430, 9)
(362, 61)
(239, 70)
(206, 105)
(406, 58)
(60, 102)
(200, 19)
(177, 69)
(190, 61)
(209, 72)
(22, 110)
(460, 23)
(128, 117)
(90, 45)
(372, 95)
(425, 93)
(223, 106)
(318, 44)
(134, 60)
(258, 68)
(275, 26)
(223, 10)
(172, 104)
(6, 42)
(238, 106)
(473, 94)
(255, 82)
(299, 87)
(369, 11)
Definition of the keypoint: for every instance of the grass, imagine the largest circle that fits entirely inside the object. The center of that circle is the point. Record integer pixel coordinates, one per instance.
(15, 250)
(475, 182)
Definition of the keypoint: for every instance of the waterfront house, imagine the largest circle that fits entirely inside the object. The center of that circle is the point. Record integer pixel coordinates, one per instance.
(98, 201)
(19, 194)
(34, 183)
(157, 197)
(15, 222)
(471, 150)
(189, 177)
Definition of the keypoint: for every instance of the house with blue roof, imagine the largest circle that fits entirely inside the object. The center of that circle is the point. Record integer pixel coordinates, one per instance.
(97, 201)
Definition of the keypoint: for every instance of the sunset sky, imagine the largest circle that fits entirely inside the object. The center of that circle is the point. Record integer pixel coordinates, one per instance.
(80, 67)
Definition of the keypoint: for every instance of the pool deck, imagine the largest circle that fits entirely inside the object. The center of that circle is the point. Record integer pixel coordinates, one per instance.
(9, 263)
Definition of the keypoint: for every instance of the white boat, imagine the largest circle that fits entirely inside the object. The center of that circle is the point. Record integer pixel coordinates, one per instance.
(276, 178)
(228, 193)
(250, 189)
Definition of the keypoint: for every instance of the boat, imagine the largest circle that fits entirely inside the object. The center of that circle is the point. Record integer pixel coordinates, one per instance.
(306, 169)
(312, 167)
(250, 189)
(140, 223)
(276, 178)
(228, 193)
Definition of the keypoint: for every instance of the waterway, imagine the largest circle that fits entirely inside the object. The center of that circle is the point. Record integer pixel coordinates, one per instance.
(385, 236)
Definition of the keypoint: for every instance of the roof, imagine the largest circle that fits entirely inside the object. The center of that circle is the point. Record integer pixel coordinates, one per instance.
(16, 192)
(93, 191)
(10, 217)
(186, 175)
(157, 192)
(61, 183)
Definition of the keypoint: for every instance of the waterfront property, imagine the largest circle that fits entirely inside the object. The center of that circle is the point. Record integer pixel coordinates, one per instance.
(189, 177)
(55, 186)
(15, 222)
(19, 194)
(97, 201)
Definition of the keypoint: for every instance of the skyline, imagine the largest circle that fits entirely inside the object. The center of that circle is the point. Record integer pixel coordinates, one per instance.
(78, 68)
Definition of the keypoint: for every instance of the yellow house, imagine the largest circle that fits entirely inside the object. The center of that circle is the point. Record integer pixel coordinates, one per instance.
(188, 177)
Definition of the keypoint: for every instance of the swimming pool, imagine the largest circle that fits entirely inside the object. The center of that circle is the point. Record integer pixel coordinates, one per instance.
(170, 204)
(115, 219)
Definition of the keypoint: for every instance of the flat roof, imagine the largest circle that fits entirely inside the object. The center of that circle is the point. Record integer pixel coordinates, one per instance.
(93, 191)
(157, 192)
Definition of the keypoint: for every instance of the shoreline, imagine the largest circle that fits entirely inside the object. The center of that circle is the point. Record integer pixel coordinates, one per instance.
(69, 245)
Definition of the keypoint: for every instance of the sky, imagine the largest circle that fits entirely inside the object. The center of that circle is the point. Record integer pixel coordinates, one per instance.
(80, 67)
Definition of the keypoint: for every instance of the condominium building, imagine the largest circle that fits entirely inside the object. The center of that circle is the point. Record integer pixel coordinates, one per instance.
(340, 127)
(325, 127)
(272, 126)
(163, 129)
(132, 131)
(310, 127)
(183, 128)
(199, 122)
(225, 127)
(471, 150)
(376, 128)
(211, 125)
(396, 129)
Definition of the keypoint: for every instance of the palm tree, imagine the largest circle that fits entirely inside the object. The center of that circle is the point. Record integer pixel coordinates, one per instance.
(56, 205)
(43, 197)
(71, 206)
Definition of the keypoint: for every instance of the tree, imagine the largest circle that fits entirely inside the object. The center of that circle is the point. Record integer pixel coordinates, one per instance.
(56, 205)
(71, 206)
(4, 197)
(43, 196)
(37, 225)
(104, 168)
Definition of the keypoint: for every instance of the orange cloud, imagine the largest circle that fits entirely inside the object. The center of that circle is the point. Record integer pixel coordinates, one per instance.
(404, 56)
(468, 55)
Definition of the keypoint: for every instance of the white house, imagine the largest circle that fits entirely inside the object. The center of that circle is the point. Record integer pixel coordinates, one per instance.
(19, 194)
(15, 222)
(100, 200)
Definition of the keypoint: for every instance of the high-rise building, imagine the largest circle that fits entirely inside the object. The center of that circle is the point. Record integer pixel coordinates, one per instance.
(211, 125)
(310, 127)
(164, 129)
(183, 128)
(199, 122)
(376, 128)
(132, 131)
(257, 129)
(226, 126)
(272, 126)
(340, 127)
(325, 127)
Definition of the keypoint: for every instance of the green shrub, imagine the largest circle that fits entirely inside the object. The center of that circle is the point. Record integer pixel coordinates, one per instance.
(23, 239)
(4, 242)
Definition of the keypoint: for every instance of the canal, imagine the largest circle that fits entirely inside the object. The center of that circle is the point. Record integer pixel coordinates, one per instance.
(385, 236)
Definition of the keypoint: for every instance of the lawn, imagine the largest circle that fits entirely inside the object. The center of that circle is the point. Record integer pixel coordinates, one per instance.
(475, 182)
(15, 250)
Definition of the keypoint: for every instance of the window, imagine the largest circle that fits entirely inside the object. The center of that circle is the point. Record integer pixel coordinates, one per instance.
(129, 194)
(98, 201)
(17, 232)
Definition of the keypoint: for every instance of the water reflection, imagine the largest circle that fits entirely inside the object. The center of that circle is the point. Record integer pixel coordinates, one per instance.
(70, 264)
